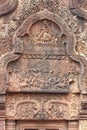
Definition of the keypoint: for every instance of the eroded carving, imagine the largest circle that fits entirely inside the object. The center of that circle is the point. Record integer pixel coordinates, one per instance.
(79, 7)
(7, 6)
(41, 107)
(44, 48)
(38, 42)
(40, 110)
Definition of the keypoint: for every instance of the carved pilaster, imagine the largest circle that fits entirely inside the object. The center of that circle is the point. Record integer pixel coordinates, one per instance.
(73, 125)
(10, 125)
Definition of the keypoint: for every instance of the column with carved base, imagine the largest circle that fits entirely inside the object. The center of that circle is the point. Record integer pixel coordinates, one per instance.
(10, 125)
(73, 125)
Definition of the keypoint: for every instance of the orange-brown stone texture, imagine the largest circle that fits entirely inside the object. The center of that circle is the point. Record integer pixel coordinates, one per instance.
(43, 64)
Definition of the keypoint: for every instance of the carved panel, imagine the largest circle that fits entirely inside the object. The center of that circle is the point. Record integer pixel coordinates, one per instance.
(44, 65)
(79, 8)
(7, 6)
(41, 107)
(44, 57)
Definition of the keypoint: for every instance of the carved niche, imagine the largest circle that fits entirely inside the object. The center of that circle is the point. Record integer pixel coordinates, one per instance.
(79, 8)
(47, 60)
(7, 6)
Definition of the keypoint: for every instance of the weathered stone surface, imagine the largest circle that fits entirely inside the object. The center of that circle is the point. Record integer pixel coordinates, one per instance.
(43, 64)
(7, 6)
(79, 8)
(43, 50)
(42, 107)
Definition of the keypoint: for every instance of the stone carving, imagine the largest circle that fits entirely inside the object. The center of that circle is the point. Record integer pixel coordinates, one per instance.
(57, 109)
(28, 111)
(74, 106)
(79, 7)
(40, 111)
(43, 49)
(41, 107)
(39, 42)
(7, 6)
(82, 44)
(45, 36)
(83, 4)
(83, 109)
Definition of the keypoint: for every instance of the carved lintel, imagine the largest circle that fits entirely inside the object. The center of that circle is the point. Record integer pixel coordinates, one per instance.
(41, 107)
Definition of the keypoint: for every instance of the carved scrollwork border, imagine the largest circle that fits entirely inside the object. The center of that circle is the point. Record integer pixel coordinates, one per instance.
(77, 10)
(8, 7)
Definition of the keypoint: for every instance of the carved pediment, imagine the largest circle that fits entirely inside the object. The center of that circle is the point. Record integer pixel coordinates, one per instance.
(44, 58)
(44, 65)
